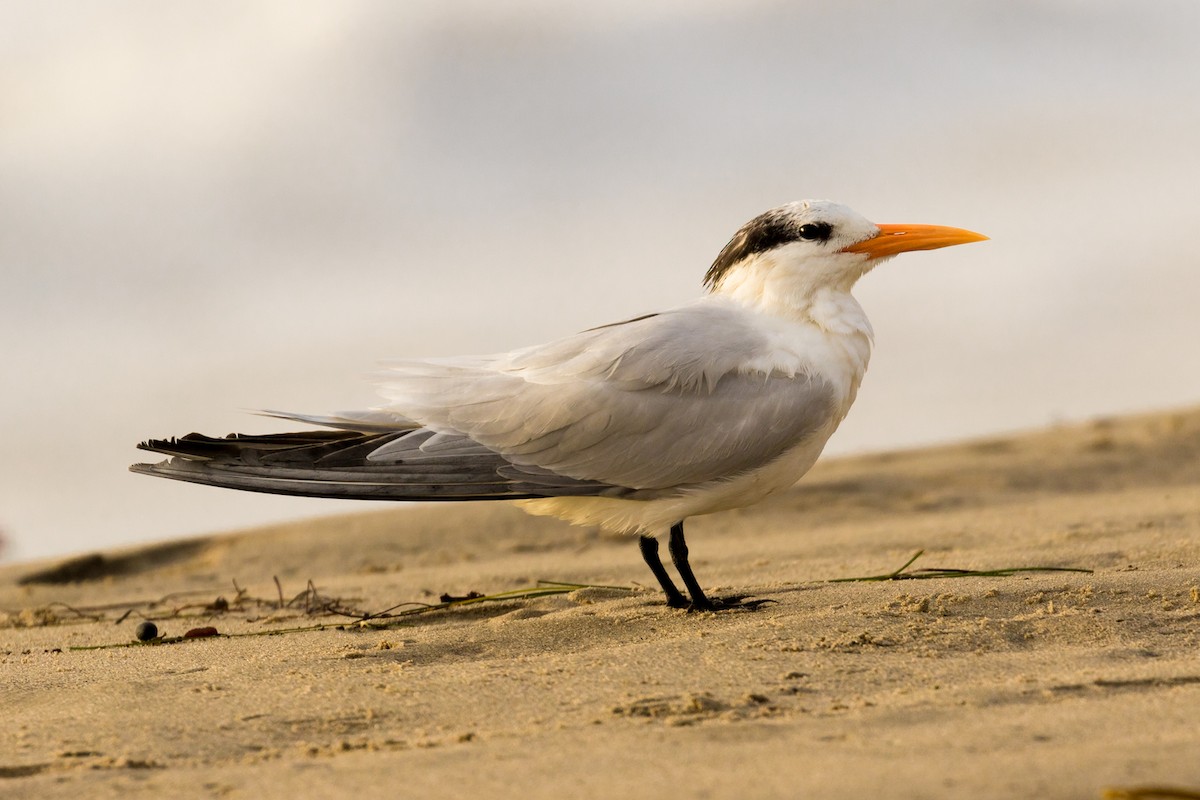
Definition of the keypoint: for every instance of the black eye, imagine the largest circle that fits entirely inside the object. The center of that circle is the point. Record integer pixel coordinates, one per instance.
(815, 231)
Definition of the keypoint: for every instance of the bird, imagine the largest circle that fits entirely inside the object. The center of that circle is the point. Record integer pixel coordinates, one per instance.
(631, 427)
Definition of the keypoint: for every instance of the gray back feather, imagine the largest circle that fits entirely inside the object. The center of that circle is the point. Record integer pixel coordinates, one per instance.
(654, 403)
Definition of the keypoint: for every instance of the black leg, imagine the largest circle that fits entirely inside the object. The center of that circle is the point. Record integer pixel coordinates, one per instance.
(649, 548)
(679, 555)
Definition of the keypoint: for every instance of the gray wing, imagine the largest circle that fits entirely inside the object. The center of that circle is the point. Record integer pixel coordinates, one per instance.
(659, 402)
(428, 466)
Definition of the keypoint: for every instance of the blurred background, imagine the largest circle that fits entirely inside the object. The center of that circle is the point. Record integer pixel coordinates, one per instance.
(219, 206)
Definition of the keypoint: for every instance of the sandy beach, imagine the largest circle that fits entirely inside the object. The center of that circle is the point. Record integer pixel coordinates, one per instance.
(1037, 684)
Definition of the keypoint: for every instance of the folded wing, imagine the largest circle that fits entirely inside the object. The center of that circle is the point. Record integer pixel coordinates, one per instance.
(656, 406)
(334, 464)
(661, 402)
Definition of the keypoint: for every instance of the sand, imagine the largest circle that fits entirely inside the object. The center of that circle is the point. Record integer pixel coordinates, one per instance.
(1031, 685)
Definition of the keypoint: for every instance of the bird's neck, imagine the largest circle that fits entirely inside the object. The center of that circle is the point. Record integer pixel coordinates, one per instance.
(811, 327)
(815, 297)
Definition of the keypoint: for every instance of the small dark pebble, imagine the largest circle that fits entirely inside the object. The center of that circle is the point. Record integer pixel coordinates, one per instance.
(200, 633)
(146, 631)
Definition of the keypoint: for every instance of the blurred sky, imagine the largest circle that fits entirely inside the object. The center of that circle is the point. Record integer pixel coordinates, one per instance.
(209, 207)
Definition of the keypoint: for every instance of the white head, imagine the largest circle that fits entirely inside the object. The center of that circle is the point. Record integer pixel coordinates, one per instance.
(791, 253)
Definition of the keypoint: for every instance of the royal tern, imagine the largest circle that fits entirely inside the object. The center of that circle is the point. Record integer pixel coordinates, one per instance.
(632, 427)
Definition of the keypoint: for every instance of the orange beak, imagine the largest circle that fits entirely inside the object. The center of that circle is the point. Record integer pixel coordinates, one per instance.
(893, 239)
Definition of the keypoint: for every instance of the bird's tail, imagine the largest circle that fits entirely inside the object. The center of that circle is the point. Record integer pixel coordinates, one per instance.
(334, 463)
